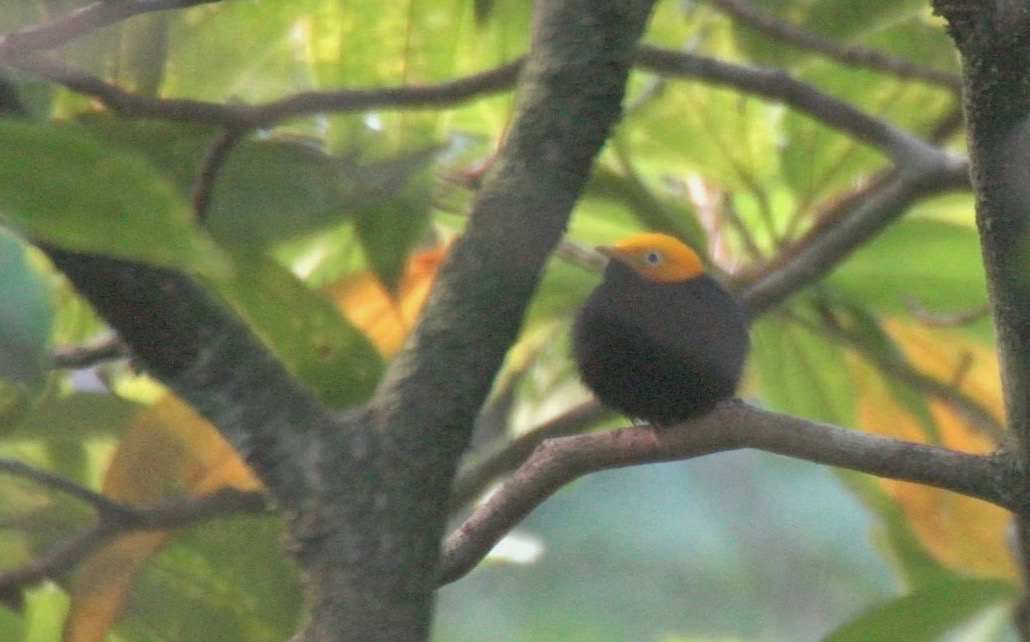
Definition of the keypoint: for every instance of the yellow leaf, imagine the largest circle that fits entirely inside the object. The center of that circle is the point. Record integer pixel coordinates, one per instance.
(384, 317)
(964, 533)
(169, 451)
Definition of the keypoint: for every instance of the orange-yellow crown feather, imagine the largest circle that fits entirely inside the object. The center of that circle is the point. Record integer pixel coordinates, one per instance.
(656, 257)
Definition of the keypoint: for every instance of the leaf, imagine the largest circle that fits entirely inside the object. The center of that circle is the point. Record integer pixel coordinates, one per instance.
(894, 265)
(871, 340)
(894, 535)
(228, 579)
(271, 191)
(75, 417)
(44, 607)
(276, 189)
(961, 532)
(926, 614)
(26, 315)
(383, 316)
(169, 450)
(59, 185)
(390, 225)
(801, 372)
(303, 329)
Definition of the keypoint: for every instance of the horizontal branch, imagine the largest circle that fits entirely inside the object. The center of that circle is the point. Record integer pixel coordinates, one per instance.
(771, 83)
(241, 117)
(734, 425)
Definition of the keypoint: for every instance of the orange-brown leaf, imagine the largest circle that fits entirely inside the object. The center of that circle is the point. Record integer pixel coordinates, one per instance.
(964, 533)
(169, 451)
(383, 316)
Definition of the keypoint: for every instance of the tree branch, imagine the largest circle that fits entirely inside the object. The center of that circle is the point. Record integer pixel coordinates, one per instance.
(771, 83)
(778, 85)
(210, 359)
(245, 117)
(84, 21)
(854, 55)
(993, 37)
(104, 347)
(116, 518)
(484, 468)
(378, 563)
(816, 254)
(734, 425)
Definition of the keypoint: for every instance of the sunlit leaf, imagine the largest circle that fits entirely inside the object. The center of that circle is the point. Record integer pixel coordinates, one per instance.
(801, 372)
(59, 185)
(893, 269)
(303, 329)
(927, 614)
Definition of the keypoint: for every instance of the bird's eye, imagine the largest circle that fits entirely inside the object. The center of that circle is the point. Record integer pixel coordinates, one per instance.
(653, 257)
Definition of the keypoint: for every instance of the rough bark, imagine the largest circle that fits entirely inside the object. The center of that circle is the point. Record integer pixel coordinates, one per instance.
(994, 40)
(367, 491)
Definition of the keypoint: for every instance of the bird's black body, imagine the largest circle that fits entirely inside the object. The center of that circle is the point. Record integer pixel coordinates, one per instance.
(660, 351)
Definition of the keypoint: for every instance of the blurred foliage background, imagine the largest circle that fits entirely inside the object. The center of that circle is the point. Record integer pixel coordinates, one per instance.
(323, 233)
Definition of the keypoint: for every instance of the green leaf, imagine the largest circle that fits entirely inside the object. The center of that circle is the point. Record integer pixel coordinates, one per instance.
(26, 316)
(228, 579)
(303, 329)
(897, 265)
(44, 613)
(271, 191)
(390, 225)
(801, 372)
(59, 185)
(278, 189)
(12, 625)
(926, 614)
(75, 417)
(873, 342)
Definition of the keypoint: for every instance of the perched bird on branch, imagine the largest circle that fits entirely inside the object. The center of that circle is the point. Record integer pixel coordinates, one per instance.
(659, 339)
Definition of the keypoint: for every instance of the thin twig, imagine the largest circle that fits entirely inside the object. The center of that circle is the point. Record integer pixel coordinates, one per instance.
(734, 425)
(174, 513)
(244, 117)
(936, 319)
(215, 157)
(104, 347)
(777, 84)
(502, 458)
(84, 21)
(53, 481)
(825, 246)
(853, 55)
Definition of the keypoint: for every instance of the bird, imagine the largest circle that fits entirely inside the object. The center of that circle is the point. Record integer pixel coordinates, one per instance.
(659, 339)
